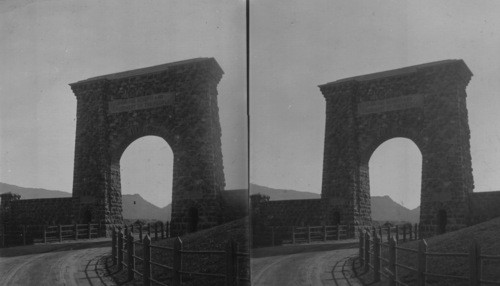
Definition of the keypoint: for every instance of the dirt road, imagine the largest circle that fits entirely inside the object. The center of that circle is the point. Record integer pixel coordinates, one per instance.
(55, 264)
(315, 264)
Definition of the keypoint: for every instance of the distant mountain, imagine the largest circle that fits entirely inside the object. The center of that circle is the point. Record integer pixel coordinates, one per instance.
(281, 194)
(383, 208)
(134, 206)
(32, 193)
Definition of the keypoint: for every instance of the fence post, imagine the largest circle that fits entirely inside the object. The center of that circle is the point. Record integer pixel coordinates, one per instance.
(388, 233)
(60, 234)
(176, 279)
(393, 276)
(44, 234)
(376, 258)
(361, 244)
(76, 231)
(89, 229)
(338, 231)
(156, 231)
(140, 232)
(168, 229)
(475, 263)
(308, 234)
(397, 233)
(3, 235)
(404, 232)
(422, 263)
(231, 263)
(120, 250)
(113, 245)
(162, 230)
(146, 275)
(367, 251)
(23, 229)
(324, 232)
(272, 235)
(130, 256)
(293, 234)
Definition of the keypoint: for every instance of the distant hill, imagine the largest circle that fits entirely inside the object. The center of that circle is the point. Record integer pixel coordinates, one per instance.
(135, 207)
(32, 193)
(281, 194)
(140, 209)
(383, 208)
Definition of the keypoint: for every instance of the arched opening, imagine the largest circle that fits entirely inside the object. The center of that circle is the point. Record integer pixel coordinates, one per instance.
(193, 220)
(395, 174)
(442, 219)
(146, 174)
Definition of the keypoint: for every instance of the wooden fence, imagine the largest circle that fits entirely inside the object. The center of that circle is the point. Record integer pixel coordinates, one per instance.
(372, 250)
(29, 234)
(279, 235)
(310, 234)
(156, 230)
(124, 255)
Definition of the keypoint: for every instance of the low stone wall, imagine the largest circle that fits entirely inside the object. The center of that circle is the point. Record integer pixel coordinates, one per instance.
(485, 206)
(293, 212)
(234, 204)
(42, 211)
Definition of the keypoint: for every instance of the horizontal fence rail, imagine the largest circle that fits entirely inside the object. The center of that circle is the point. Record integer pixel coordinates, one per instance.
(279, 235)
(124, 255)
(157, 230)
(29, 234)
(372, 257)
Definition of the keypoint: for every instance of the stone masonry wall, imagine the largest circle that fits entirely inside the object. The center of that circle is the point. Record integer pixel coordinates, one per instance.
(42, 211)
(485, 206)
(293, 213)
(426, 104)
(189, 124)
(234, 204)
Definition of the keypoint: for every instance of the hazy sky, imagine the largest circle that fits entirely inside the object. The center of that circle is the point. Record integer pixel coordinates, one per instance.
(45, 45)
(298, 45)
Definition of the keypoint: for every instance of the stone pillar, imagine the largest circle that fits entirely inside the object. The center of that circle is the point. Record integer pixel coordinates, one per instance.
(342, 195)
(92, 173)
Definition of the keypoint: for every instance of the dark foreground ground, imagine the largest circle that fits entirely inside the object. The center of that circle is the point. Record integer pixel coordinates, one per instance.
(319, 264)
(75, 263)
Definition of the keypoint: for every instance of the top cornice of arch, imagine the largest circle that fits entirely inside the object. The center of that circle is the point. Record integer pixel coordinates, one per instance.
(209, 65)
(445, 66)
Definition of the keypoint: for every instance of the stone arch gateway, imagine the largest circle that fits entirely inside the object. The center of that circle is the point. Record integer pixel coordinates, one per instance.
(175, 101)
(424, 103)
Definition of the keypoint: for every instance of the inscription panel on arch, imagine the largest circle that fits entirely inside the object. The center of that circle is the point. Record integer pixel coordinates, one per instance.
(142, 102)
(391, 104)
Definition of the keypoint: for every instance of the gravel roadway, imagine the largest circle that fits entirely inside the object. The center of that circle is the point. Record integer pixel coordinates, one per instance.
(76, 263)
(312, 264)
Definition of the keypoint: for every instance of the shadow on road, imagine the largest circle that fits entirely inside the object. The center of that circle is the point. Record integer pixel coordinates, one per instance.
(302, 248)
(54, 247)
